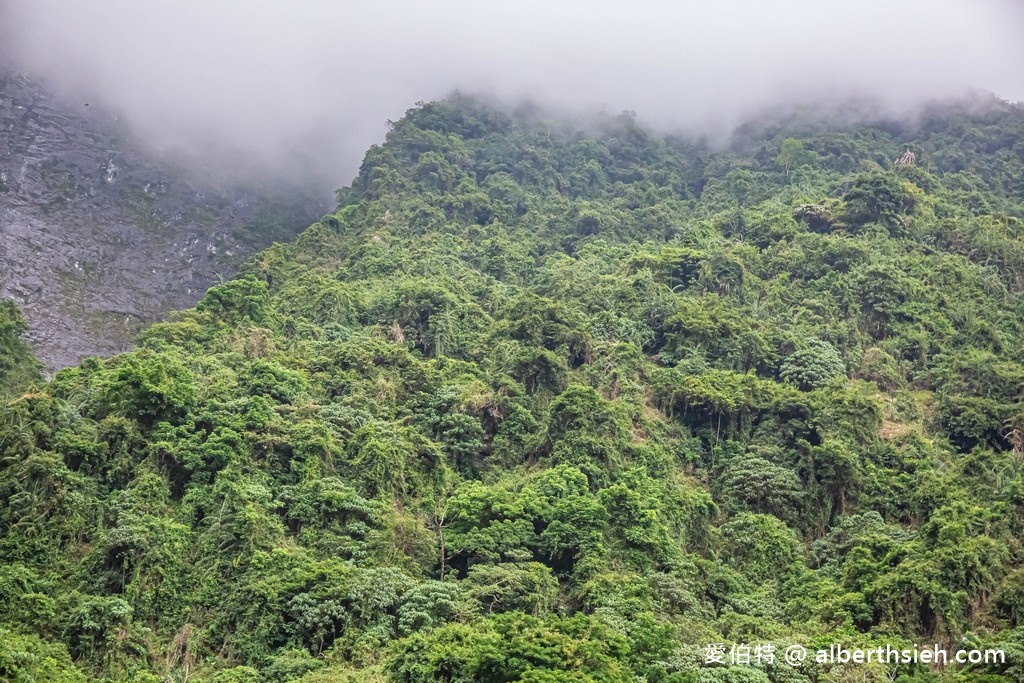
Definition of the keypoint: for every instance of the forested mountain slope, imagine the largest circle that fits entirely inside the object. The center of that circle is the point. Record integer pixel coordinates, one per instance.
(542, 403)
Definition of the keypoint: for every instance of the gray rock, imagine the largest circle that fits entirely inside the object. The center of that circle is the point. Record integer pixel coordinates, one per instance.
(100, 237)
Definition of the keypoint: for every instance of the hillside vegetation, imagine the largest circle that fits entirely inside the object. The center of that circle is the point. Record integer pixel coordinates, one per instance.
(18, 366)
(547, 403)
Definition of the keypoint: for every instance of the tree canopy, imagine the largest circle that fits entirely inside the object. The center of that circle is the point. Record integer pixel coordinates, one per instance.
(542, 402)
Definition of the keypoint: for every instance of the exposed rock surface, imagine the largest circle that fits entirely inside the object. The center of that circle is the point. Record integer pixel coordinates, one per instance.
(99, 237)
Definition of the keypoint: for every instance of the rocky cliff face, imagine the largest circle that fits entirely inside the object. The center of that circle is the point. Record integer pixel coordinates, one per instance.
(99, 237)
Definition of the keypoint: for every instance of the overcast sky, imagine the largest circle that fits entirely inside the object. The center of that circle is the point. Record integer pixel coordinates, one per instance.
(319, 78)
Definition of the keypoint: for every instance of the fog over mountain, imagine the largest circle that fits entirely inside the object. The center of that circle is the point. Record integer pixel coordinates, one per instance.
(309, 84)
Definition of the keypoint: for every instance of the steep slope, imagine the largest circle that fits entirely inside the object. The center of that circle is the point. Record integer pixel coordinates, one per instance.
(98, 237)
(544, 404)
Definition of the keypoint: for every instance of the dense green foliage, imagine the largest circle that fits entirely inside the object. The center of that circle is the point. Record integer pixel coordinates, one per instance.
(538, 404)
(18, 367)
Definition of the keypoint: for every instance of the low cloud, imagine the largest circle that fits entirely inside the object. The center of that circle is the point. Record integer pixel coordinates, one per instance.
(307, 86)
